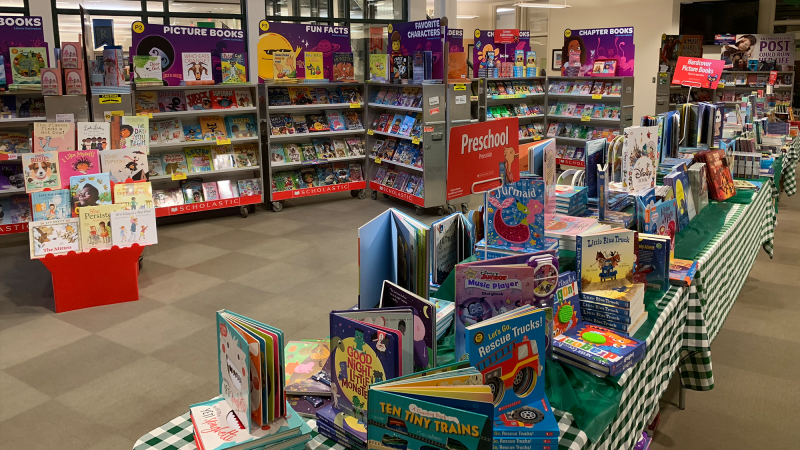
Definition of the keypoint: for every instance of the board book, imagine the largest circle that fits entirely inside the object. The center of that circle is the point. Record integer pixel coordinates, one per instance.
(424, 320)
(516, 214)
(452, 241)
(599, 348)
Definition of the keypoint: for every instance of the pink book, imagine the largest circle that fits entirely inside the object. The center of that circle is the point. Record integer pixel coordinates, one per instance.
(75, 82)
(78, 162)
(51, 82)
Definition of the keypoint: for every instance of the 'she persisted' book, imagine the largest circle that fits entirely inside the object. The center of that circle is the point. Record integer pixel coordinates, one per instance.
(96, 226)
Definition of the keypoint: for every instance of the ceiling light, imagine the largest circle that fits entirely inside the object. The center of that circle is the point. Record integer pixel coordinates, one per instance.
(466, 17)
(504, 10)
(543, 5)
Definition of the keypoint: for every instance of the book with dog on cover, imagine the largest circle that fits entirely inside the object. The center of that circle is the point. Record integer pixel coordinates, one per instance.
(41, 171)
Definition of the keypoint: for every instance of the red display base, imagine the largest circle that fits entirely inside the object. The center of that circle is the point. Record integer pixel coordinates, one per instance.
(121, 283)
(309, 192)
(419, 201)
(570, 162)
(12, 228)
(207, 206)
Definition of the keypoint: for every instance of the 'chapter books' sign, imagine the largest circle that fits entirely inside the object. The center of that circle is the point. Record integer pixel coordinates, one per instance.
(299, 38)
(582, 47)
(169, 42)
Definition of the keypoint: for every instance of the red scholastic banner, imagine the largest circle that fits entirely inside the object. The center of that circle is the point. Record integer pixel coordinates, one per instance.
(482, 156)
(773, 77)
(698, 72)
(506, 36)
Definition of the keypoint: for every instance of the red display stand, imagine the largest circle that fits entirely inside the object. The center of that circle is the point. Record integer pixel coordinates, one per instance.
(121, 285)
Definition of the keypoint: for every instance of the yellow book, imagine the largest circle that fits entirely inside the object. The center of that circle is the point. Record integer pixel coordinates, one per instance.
(95, 223)
(284, 66)
(315, 70)
(133, 196)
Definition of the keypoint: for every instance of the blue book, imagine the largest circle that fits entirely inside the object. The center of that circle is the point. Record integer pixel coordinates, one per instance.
(602, 191)
(591, 315)
(418, 67)
(428, 64)
(566, 306)
(587, 305)
(353, 430)
(51, 205)
(654, 260)
(506, 351)
(626, 329)
(621, 297)
(593, 157)
(242, 126)
(516, 214)
(679, 181)
(599, 348)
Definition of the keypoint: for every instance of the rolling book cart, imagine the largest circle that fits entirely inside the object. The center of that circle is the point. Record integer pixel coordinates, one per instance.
(273, 110)
(426, 141)
(246, 204)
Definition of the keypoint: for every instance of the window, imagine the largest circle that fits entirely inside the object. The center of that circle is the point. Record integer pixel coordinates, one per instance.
(14, 8)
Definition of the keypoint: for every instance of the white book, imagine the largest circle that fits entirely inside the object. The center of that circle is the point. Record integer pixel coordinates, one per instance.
(134, 227)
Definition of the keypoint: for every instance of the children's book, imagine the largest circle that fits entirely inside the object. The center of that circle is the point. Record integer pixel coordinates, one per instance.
(234, 68)
(114, 63)
(167, 197)
(155, 165)
(284, 66)
(26, 64)
(325, 175)
(566, 305)
(508, 352)
(720, 181)
(640, 158)
(424, 330)
(308, 177)
(51, 205)
(654, 260)
(246, 155)
(315, 68)
(16, 209)
(192, 191)
(294, 154)
(122, 165)
(41, 171)
(335, 120)
(300, 125)
(89, 190)
(682, 272)
(452, 241)
(51, 82)
(96, 226)
(307, 370)
(227, 189)
(134, 227)
(343, 71)
(197, 68)
(76, 163)
(93, 135)
(54, 236)
(317, 122)
(135, 133)
(249, 187)
(210, 191)
(222, 157)
(198, 100)
(133, 196)
(355, 173)
(244, 99)
(146, 102)
(605, 259)
(679, 181)
(379, 67)
(222, 99)
(212, 127)
(171, 131)
(174, 163)
(339, 148)
(516, 214)
(198, 159)
(604, 352)
(171, 101)
(53, 136)
(192, 133)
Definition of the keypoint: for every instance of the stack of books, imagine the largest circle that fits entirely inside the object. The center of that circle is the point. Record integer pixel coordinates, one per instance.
(482, 251)
(571, 200)
(445, 313)
(598, 350)
(345, 430)
(668, 165)
(566, 228)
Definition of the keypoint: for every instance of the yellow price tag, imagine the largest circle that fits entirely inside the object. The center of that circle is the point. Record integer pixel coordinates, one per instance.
(223, 141)
(178, 176)
(597, 96)
(355, 105)
(415, 141)
(720, 86)
(148, 115)
(585, 119)
(370, 132)
(377, 160)
(537, 138)
(460, 87)
(137, 27)
(110, 98)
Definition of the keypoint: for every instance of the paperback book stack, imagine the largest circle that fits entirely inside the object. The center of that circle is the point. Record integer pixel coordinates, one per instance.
(571, 200)
(668, 165)
(598, 350)
(611, 294)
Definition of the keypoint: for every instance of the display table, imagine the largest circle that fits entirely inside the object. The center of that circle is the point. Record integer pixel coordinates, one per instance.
(789, 170)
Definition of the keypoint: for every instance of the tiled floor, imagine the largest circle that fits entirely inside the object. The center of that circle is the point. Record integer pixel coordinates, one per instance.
(100, 378)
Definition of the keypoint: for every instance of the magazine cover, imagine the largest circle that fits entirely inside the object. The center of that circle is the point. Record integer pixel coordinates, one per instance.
(134, 227)
(41, 171)
(53, 137)
(76, 163)
(89, 190)
(94, 135)
(122, 165)
(96, 228)
(516, 214)
(51, 205)
(54, 236)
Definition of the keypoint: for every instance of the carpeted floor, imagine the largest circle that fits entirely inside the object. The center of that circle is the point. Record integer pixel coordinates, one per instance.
(98, 379)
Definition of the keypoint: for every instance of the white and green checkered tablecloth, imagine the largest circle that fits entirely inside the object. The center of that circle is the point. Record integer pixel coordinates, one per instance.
(789, 173)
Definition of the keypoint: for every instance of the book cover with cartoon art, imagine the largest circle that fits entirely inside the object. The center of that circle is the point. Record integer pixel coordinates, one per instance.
(53, 137)
(234, 369)
(605, 351)
(135, 133)
(27, 64)
(234, 68)
(77, 163)
(198, 159)
(41, 171)
(197, 68)
(243, 99)
(123, 165)
(174, 163)
(94, 136)
(96, 226)
(89, 190)
(398, 319)
(361, 354)
(314, 66)
(516, 214)
(51, 205)
(134, 227)
(605, 260)
(16, 209)
(424, 347)
(243, 126)
(54, 236)
(133, 196)
(566, 306)
(640, 157)
(307, 371)
(171, 101)
(212, 127)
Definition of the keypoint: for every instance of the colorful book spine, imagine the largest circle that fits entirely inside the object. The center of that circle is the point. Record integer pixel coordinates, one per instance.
(605, 300)
(600, 307)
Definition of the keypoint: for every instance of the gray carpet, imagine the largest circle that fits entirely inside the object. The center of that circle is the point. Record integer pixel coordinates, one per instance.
(100, 378)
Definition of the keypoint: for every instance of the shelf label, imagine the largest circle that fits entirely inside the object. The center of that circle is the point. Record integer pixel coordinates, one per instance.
(415, 141)
(65, 117)
(148, 115)
(223, 141)
(433, 111)
(371, 132)
(355, 105)
(428, 129)
(377, 160)
(597, 96)
(105, 99)
(537, 138)
(585, 119)
(178, 176)
(12, 156)
(460, 87)
(432, 101)
(461, 99)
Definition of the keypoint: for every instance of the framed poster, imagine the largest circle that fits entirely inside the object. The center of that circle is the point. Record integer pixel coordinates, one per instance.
(556, 60)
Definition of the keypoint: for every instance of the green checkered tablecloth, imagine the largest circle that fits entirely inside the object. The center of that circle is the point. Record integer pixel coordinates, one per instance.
(723, 266)
(790, 167)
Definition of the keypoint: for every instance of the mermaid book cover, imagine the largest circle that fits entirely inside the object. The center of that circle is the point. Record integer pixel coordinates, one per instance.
(516, 214)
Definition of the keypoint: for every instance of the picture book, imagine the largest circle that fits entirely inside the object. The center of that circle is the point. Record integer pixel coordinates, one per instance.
(41, 171)
(516, 214)
(170, 131)
(307, 406)
(222, 99)
(243, 126)
(294, 155)
(222, 157)
(51, 205)
(192, 192)
(134, 133)
(379, 67)
(15, 209)
(171, 101)
(682, 272)
(192, 133)
(343, 71)
(300, 125)
(154, 165)
(51, 81)
(133, 196)
(198, 100)
(679, 181)
(93, 135)
(355, 173)
(134, 227)
(640, 158)
(284, 66)
(174, 163)
(212, 127)
(246, 155)
(26, 64)
(234, 68)
(197, 68)
(76, 163)
(307, 371)
(198, 159)
(146, 102)
(720, 181)
(123, 165)
(508, 351)
(71, 55)
(423, 347)
(395, 319)
(699, 185)
(355, 363)
(249, 187)
(75, 82)
(53, 136)
(566, 305)
(605, 259)
(654, 260)
(96, 227)
(341, 172)
(317, 122)
(335, 120)
(452, 241)
(227, 189)
(114, 63)
(325, 175)
(339, 148)
(603, 351)
(89, 190)
(315, 68)
(167, 197)
(243, 99)
(54, 236)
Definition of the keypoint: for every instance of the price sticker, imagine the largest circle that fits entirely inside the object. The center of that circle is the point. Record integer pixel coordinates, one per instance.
(585, 119)
(12, 156)
(178, 176)
(355, 105)
(377, 160)
(597, 96)
(148, 115)
(415, 141)
(537, 138)
(370, 132)
(223, 141)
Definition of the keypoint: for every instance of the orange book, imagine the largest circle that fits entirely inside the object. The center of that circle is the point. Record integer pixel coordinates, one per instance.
(457, 67)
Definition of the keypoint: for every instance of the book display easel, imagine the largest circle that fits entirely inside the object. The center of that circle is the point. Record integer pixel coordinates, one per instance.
(316, 140)
(406, 146)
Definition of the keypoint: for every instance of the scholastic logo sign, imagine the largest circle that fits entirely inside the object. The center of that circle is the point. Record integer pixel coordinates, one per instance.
(321, 190)
(14, 228)
(214, 204)
(419, 201)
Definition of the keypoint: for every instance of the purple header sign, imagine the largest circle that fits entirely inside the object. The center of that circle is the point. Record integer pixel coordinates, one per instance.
(299, 38)
(170, 41)
(582, 47)
(484, 42)
(455, 40)
(423, 35)
(20, 31)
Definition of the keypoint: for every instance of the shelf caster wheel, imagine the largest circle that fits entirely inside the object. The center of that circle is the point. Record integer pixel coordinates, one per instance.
(354, 193)
(385, 195)
(419, 210)
(440, 211)
(277, 206)
(374, 195)
(362, 194)
(243, 212)
(251, 208)
(451, 209)
(464, 208)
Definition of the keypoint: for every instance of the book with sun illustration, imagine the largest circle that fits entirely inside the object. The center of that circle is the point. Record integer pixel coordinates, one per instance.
(605, 263)
(251, 369)
(306, 368)
(361, 354)
(516, 214)
(485, 289)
